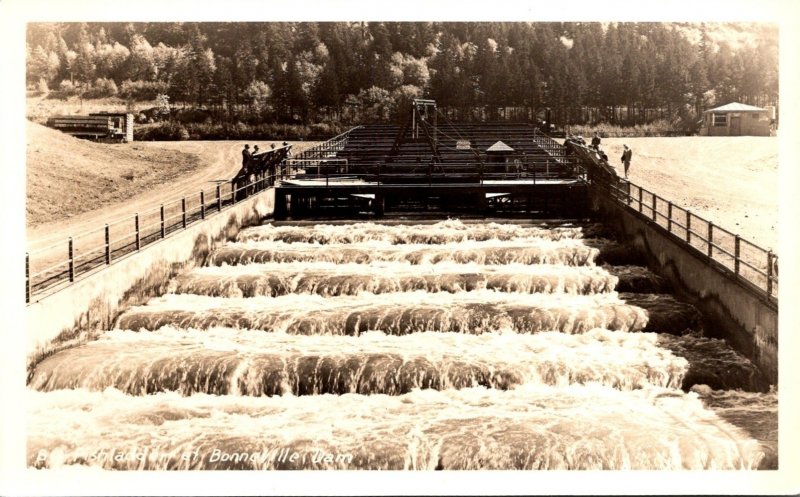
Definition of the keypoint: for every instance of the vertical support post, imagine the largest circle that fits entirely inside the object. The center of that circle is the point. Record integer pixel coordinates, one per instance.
(183, 212)
(430, 171)
(769, 272)
(202, 205)
(640, 199)
(70, 255)
(108, 245)
(688, 226)
(233, 192)
(654, 206)
(736, 252)
(669, 216)
(219, 197)
(710, 239)
(28, 278)
(163, 230)
(138, 233)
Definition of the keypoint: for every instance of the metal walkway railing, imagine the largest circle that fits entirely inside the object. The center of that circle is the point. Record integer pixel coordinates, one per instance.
(746, 262)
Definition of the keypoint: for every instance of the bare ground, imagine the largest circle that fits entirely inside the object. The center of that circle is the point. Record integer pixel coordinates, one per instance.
(76, 185)
(730, 181)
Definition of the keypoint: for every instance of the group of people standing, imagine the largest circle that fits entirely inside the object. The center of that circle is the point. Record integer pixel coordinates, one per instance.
(627, 153)
(254, 168)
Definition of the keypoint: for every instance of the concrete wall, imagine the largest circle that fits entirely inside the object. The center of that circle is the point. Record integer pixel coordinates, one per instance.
(732, 311)
(91, 304)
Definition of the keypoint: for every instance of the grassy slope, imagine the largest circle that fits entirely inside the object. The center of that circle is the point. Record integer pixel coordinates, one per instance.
(732, 181)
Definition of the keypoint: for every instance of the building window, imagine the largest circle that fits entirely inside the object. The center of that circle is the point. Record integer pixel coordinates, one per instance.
(720, 119)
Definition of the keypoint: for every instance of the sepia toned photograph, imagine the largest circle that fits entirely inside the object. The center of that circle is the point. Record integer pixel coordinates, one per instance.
(410, 245)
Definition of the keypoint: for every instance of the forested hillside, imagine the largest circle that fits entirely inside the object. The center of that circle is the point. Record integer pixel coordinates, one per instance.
(619, 73)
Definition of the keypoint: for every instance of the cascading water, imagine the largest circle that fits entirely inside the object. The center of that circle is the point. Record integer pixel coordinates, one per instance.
(430, 346)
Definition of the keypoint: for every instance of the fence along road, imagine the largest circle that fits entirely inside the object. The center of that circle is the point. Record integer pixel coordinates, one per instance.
(49, 267)
(745, 261)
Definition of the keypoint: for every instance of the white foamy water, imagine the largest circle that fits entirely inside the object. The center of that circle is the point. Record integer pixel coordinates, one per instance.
(535, 251)
(226, 361)
(531, 427)
(328, 279)
(450, 231)
(365, 346)
(395, 313)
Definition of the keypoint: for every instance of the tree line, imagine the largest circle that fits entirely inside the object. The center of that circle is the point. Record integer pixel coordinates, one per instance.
(306, 72)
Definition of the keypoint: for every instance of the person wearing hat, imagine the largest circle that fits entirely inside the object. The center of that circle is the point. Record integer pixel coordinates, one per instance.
(246, 156)
(255, 172)
(626, 158)
(241, 179)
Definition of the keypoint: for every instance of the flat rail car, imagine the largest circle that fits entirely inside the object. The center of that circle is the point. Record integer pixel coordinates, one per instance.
(105, 127)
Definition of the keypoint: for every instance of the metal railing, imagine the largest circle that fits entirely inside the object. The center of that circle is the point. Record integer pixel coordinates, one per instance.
(323, 150)
(58, 264)
(548, 144)
(380, 174)
(746, 262)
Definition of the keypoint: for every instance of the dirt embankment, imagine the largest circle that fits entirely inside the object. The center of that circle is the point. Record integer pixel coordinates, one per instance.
(77, 185)
(67, 176)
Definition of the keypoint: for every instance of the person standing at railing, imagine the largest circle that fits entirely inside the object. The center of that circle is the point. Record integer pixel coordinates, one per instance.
(246, 156)
(241, 178)
(627, 153)
(596, 141)
(254, 173)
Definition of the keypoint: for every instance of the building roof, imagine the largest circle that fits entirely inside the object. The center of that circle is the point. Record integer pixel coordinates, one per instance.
(737, 107)
(499, 147)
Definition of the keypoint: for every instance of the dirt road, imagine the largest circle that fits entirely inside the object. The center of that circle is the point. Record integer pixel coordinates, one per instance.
(222, 159)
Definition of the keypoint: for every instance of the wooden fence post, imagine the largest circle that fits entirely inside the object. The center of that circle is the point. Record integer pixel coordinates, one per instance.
(669, 216)
(736, 249)
(688, 226)
(108, 245)
(163, 228)
(654, 206)
(27, 278)
(219, 197)
(183, 212)
(202, 205)
(710, 239)
(138, 233)
(640, 198)
(71, 260)
(769, 273)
